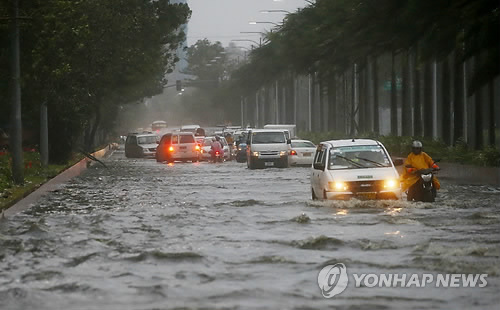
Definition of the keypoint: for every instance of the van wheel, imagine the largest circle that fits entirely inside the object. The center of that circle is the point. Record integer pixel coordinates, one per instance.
(313, 194)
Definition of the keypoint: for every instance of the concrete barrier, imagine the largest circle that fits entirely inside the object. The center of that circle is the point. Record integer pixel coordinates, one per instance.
(56, 182)
(466, 174)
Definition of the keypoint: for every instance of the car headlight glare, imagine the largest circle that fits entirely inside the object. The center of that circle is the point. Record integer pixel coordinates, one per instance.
(256, 154)
(391, 184)
(338, 186)
(283, 153)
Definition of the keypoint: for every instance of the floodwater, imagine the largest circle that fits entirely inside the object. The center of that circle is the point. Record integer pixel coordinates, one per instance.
(144, 235)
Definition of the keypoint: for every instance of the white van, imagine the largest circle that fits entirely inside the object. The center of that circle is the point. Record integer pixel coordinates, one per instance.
(267, 148)
(357, 168)
(290, 130)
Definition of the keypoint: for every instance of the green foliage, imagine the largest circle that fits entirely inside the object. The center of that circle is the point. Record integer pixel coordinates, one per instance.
(330, 36)
(83, 57)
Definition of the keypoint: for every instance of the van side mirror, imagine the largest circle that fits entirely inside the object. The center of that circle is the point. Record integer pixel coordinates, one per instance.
(289, 141)
(248, 141)
(398, 162)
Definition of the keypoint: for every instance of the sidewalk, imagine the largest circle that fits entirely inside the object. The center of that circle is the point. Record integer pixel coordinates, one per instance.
(55, 182)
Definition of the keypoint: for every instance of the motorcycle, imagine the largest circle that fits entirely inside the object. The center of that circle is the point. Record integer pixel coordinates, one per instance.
(217, 157)
(423, 190)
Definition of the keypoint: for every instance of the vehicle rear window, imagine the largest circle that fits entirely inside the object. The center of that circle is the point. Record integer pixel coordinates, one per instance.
(268, 137)
(187, 139)
(208, 142)
(146, 140)
(303, 144)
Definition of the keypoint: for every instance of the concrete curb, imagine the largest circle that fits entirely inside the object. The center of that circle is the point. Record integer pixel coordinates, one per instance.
(52, 184)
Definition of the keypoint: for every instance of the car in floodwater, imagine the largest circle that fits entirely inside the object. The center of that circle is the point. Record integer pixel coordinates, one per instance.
(178, 146)
(141, 145)
(301, 153)
(354, 168)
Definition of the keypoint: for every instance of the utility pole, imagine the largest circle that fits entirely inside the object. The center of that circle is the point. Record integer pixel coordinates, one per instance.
(16, 147)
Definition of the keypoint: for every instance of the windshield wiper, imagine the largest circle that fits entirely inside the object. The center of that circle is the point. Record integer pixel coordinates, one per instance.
(372, 161)
(351, 161)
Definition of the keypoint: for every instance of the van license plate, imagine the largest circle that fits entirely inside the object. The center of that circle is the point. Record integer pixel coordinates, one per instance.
(182, 147)
(367, 195)
(269, 164)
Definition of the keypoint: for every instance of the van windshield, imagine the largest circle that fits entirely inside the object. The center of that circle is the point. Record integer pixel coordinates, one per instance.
(358, 156)
(268, 137)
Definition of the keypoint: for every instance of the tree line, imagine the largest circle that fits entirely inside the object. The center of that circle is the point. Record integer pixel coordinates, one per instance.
(83, 59)
(431, 57)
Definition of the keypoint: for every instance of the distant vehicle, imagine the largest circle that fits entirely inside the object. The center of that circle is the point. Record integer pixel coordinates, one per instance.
(240, 141)
(301, 153)
(207, 147)
(140, 145)
(267, 148)
(178, 146)
(357, 168)
(289, 128)
(159, 127)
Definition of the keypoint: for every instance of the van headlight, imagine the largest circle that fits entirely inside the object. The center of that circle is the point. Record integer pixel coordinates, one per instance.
(283, 153)
(338, 186)
(255, 154)
(391, 184)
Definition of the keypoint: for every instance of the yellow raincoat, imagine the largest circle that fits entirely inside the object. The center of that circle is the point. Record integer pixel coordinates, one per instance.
(420, 161)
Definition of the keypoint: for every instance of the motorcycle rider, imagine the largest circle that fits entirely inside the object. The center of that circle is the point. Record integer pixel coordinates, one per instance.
(417, 160)
(217, 146)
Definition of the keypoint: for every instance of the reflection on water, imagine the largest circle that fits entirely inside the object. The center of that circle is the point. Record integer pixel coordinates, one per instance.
(142, 235)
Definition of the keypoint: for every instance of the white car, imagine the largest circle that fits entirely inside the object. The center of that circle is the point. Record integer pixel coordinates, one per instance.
(178, 146)
(301, 153)
(141, 145)
(359, 168)
(207, 146)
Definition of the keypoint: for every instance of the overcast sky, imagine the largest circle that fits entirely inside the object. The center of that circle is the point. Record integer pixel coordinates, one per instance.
(223, 20)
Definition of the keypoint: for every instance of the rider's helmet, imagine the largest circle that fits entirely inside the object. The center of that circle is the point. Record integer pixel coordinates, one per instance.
(416, 147)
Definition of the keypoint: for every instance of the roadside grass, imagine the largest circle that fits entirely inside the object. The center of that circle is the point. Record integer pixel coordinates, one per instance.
(34, 176)
(437, 149)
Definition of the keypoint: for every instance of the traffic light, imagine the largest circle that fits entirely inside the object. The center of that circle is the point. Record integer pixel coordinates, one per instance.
(178, 85)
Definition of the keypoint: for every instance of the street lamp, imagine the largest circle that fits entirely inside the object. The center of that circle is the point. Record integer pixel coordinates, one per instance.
(255, 23)
(275, 11)
(246, 40)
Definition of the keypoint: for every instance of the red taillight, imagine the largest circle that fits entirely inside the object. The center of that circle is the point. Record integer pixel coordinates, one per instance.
(293, 152)
(171, 149)
(197, 147)
(217, 153)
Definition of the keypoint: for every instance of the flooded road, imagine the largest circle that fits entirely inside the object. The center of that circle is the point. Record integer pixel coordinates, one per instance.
(143, 235)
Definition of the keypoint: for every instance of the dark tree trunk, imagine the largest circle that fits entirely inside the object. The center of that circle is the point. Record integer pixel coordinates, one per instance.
(405, 97)
(376, 125)
(445, 103)
(458, 98)
(92, 134)
(344, 104)
(332, 104)
(428, 107)
(478, 111)
(361, 101)
(394, 102)
(491, 114)
(417, 109)
(352, 130)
